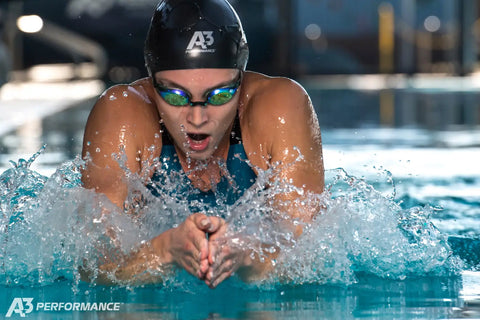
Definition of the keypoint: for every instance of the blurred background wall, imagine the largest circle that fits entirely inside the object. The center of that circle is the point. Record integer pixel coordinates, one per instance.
(371, 67)
(286, 37)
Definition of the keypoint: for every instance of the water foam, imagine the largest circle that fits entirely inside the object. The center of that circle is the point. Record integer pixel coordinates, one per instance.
(52, 227)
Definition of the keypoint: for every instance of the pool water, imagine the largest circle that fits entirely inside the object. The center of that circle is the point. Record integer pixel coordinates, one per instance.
(370, 298)
(400, 240)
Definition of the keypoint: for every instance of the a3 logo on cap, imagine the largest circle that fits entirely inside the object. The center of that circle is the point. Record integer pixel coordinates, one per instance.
(200, 42)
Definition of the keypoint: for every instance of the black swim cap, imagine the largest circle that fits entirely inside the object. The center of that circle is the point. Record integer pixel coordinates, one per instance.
(193, 34)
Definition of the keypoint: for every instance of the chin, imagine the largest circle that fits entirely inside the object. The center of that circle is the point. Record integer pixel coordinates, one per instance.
(201, 156)
(198, 155)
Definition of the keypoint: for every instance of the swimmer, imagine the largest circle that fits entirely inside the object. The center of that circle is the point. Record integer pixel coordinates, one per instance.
(201, 105)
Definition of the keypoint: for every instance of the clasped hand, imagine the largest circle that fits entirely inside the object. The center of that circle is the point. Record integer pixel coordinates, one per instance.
(199, 246)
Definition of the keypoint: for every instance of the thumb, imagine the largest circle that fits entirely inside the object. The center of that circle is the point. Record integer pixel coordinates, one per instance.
(202, 222)
(216, 224)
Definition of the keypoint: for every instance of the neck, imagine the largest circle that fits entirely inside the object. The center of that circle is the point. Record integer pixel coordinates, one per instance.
(206, 173)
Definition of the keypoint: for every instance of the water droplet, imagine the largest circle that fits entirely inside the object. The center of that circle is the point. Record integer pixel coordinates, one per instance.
(97, 150)
(125, 93)
(112, 97)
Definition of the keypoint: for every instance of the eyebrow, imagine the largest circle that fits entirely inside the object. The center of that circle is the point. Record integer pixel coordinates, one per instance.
(173, 85)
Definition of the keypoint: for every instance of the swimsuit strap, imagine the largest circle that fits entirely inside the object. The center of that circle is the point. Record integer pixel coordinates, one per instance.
(166, 138)
(235, 136)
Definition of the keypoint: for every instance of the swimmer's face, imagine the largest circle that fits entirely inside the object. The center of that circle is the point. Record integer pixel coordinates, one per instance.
(198, 131)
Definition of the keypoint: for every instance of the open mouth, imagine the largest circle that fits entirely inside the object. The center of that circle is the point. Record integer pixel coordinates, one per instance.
(198, 141)
(197, 137)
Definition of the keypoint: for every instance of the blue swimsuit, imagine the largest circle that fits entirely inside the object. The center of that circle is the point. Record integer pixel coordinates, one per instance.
(170, 180)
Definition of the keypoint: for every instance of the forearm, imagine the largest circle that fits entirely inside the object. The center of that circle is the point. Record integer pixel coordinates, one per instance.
(258, 265)
(260, 262)
(148, 264)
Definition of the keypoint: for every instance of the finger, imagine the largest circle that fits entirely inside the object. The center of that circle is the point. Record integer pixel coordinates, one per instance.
(198, 269)
(194, 252)
(223, 276)
(212, 252)
(194, 270)
(202, 221)
(197, 239)
(198, 262)
(218, 229)
(223, 268)
(196, 248)
(218, 252)
(224, 262)
(190, 265)
(221, 279)
(201, 245)
(216, 244)
(204, 266)
(216, 224)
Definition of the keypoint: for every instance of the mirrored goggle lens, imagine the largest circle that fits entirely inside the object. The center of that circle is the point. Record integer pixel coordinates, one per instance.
(221, 96)
(174, 98)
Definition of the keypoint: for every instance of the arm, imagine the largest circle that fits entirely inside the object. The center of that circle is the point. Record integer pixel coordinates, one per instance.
(127, 125)
(185, 246)
(286, 124)
(111, 129)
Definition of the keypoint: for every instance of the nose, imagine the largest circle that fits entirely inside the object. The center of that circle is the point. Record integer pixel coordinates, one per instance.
(197, 116)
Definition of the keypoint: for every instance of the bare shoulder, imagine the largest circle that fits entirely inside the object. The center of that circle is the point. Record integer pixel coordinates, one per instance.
(278, 115)
(125, 116)
(125, 102)
(276, 102)
(273, 97)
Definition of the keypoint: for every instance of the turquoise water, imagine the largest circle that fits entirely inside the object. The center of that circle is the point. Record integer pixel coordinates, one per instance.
(375, 253)
(370, 298)
(400, 238)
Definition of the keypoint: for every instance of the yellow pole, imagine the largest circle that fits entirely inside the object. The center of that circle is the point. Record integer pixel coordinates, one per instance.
(386, 37)
(387, 108)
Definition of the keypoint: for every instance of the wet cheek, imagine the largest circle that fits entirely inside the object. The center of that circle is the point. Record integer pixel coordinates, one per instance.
(174, 118)
(225, 125)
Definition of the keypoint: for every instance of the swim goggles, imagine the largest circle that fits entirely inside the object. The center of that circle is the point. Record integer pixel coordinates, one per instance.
(180, 98)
